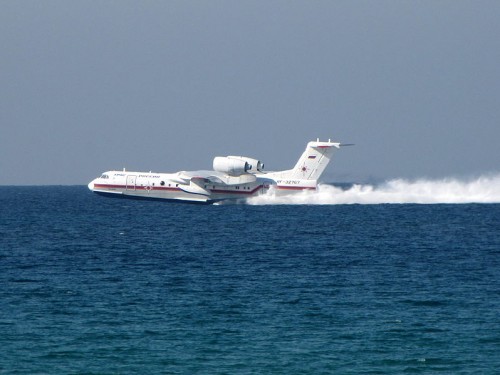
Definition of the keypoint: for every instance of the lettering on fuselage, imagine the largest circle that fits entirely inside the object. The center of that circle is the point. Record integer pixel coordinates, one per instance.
(288, 182)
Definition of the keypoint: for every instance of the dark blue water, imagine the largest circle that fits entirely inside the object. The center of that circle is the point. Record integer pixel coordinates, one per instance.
(91, 285)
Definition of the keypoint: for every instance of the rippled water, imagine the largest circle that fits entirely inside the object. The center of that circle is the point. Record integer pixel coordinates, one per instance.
(95, 285)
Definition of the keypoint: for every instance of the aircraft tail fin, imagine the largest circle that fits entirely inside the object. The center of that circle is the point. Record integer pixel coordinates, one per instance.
(313, 161)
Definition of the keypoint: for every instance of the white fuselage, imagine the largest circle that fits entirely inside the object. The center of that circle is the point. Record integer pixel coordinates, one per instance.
(148, 185)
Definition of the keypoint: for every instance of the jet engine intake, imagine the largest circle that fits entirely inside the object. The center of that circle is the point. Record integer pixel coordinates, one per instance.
(254, 164)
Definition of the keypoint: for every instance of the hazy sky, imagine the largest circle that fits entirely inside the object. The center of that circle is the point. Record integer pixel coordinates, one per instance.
(89, 86)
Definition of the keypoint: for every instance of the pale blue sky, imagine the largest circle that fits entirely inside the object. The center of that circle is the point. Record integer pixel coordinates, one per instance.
(88, 86)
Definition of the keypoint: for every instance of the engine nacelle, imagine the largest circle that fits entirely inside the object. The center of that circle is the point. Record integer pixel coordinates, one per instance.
(254, 164)
(231, 166)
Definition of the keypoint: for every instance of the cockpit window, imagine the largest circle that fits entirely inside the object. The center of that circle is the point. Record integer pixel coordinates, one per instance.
(104, 176)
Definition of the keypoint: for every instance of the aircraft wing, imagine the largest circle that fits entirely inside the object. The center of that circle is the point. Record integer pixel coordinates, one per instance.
(213, 177)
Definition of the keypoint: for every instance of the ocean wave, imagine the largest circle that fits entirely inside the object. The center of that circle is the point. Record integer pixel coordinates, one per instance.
(484, 189)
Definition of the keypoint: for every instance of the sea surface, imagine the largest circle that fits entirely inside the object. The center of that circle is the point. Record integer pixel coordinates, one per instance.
(92, 285)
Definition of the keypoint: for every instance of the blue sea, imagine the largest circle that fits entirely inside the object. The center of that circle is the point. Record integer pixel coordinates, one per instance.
(90, 285)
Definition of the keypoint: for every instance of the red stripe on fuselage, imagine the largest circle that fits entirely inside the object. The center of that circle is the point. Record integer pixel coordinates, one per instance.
(132, 187)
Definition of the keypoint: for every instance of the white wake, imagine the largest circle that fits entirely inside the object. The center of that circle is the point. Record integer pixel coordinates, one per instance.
(485, 189)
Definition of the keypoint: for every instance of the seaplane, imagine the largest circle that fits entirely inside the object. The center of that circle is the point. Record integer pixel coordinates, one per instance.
(232, 178)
